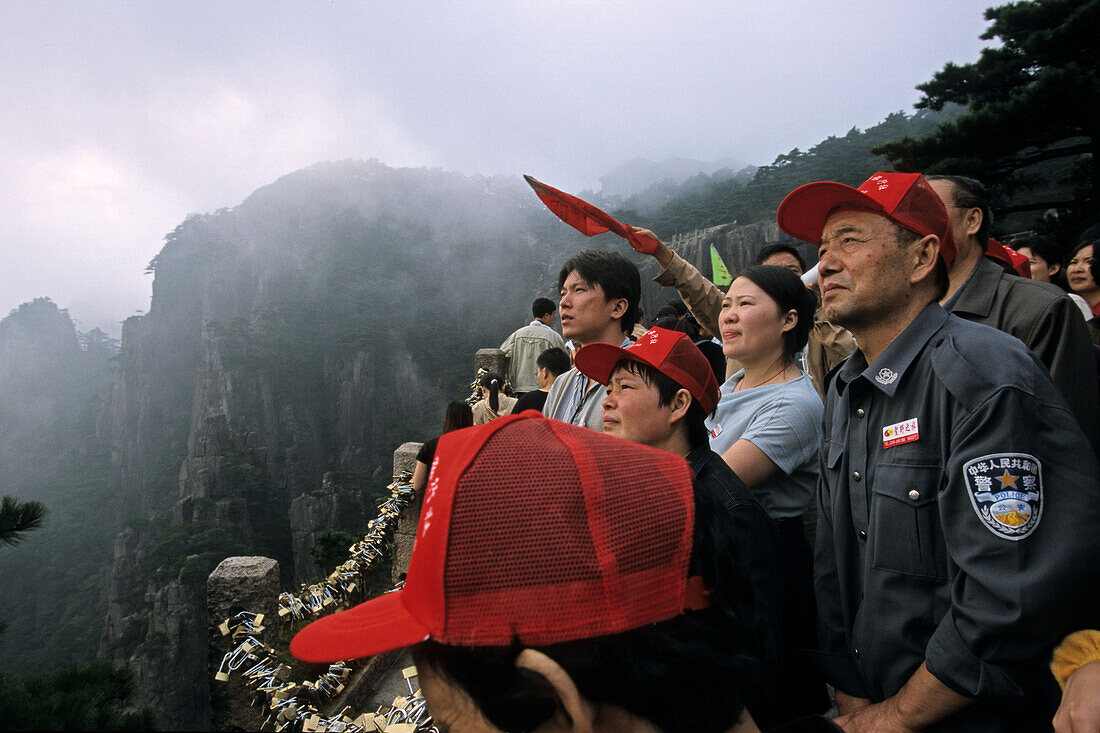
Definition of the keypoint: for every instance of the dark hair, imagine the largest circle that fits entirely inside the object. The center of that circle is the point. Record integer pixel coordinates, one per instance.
(457, 416)
(1047, 250)
(970, 193)
(1094, 266)
(554, 359)
(667, 387)
(942, 281)
(616, 275)
(542, 307)
(1042, 247)
(692, 672)
(788, 292)
(772, 249)
(492, 382)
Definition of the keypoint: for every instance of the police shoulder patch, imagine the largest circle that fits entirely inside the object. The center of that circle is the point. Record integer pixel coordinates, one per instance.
(1006, 491)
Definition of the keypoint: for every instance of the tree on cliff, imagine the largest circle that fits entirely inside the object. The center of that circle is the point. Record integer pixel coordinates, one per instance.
(78, 697)
(16, 519)
(1034, 98)
(19, 517)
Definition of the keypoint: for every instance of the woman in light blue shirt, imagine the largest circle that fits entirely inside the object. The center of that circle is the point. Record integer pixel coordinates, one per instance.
(767, 427)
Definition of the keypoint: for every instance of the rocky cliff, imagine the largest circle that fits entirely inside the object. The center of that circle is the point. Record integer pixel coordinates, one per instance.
(293, 342)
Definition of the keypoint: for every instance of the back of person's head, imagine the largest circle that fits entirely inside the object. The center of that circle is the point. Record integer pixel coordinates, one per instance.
(788, 292)
(542, 307)
(970, 193)
(678, 305)
(555, 552)
(666, 317)
(457, 416)
(555, 360)
(616, 275)
(781, 248)
(690, 326)
(494, 383)
(690, 673)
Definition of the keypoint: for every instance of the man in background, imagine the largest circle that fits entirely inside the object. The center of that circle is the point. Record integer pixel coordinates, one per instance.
(525, 344)
(600, 291)
(551, 364)
(1039, 314)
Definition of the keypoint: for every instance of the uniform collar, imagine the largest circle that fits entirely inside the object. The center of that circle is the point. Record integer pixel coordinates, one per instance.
(888, 369)
(976, 295)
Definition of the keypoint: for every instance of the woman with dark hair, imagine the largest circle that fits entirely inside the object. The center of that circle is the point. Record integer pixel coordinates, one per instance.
(493, 404)
(457, 416)
(1045, 258)
(767, 427)
(1082, 273)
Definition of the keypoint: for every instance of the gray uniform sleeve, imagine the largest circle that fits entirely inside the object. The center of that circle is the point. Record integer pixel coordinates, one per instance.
(1019, 579)
(1061, 341)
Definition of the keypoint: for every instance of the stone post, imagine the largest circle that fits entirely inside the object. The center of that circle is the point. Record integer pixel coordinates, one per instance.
(492, 359)
(404, 459)
(239, 584)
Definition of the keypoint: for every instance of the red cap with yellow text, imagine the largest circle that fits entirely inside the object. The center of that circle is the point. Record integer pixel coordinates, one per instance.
(533, 531)
(907, 199)
(670, 352)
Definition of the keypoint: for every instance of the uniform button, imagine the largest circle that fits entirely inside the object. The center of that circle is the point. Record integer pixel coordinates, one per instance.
(914, 494)
(862, 535)
(860, 412)
(855, 652)
(856, 476)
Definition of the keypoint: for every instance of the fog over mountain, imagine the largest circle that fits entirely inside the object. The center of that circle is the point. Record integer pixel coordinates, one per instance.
(128, 117)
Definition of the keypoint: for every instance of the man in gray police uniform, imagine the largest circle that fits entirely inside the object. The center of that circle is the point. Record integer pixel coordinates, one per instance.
(958, 497)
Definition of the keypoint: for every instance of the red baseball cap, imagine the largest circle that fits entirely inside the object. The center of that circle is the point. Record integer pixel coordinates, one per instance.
(907, 199)
(670, 352)
(532, 531)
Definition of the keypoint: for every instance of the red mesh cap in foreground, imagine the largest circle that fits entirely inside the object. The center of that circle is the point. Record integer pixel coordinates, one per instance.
(905, 198)
(535, 531)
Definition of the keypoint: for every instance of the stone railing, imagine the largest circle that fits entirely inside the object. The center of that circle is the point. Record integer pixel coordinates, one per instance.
(252, 584)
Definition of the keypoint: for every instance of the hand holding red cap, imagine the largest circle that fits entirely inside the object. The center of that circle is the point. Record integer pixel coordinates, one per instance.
(587, 219)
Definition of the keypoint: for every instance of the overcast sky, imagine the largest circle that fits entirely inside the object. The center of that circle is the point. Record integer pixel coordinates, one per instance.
(120, 118)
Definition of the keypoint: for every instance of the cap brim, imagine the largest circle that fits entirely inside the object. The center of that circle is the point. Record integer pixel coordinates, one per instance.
(378, 625)
(803, 213)
(597, 360)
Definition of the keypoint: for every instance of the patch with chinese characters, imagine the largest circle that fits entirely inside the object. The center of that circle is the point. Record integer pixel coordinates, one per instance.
(716, 431)
(1006, 490)
(886, 375)
(900, 433)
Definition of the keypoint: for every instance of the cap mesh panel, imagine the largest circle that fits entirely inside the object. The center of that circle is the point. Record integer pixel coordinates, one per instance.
(544, 548)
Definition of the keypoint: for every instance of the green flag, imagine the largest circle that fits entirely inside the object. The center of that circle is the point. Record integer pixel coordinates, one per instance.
(720, 276)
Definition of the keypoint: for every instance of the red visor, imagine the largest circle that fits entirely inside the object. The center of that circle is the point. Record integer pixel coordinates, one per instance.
(670, 352)
(905, 198)
(532, 531)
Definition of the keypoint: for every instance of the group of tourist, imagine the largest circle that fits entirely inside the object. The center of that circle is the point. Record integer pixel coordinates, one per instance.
(636, 555)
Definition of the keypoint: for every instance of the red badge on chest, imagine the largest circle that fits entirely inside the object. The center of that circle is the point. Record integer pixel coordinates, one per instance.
(905, 431)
